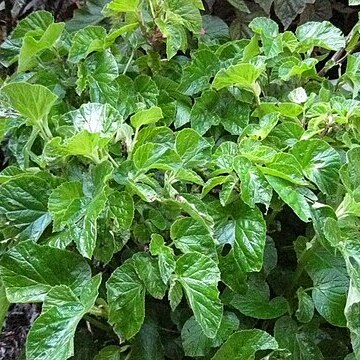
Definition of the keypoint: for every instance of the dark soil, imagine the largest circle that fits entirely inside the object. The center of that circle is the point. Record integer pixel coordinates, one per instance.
(15, 329)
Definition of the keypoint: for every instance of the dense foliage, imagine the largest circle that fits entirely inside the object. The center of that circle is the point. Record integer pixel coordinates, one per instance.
(180, 194)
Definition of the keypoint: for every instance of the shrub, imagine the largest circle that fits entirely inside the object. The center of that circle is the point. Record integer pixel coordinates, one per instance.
(181, 193)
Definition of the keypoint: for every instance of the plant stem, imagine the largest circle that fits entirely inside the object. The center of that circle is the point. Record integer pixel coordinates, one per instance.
(301, 266)
(129, 62)
(113, 161)
(98, 311)
(100, 325)
(28, 146)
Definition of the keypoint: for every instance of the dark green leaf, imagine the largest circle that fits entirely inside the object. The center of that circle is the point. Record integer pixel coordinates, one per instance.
(243, 345)
(29, 271)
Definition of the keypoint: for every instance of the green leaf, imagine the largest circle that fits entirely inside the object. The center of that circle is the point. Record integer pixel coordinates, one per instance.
(52, 334)
(351, 312)
(244, 229)
(98, 72)
(190, 235)
(88, 14)
(228, 267)
(243, 345)
(23, 207)
(305, 310)
(175, 294)
(31, 47)
(224, 155)
(165, 255)
(298, 198)
(320, 163)
(175, 34)
(256, 301)
(110, 352)
(241, 75)
(149, 273)
(146, 117)
(126, 299)
(320, 34)
(254, 187)
(29, 272)
(350, 172)
(196, 76)
(80, 212)
(85, 41)
(269, 34)
(199, 277)
(331, 284)
(287, 10)
(147, 344)
(36, 22)
(215, 30)
(4, 303)
(184, 12)
(156, 156)
(213, 108)
(32, 101)
(122, 209)
(194, 341)
(96, 118)
(301, 344)
(64, 204)
(123, 5)
(193, 149)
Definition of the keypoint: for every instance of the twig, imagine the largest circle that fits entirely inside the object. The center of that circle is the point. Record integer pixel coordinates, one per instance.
(338, 58)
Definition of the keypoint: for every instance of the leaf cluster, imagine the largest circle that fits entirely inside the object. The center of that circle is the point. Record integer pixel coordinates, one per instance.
(179, 193)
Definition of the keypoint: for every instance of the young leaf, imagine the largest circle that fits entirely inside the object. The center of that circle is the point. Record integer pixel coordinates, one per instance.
(123, 5)
(32, 101)
(85, 41)
(146, 117)
(242, 75)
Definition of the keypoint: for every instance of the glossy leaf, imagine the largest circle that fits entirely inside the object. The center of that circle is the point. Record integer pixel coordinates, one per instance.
(320, 163)
(321, 34)
(199, 276)
(24, 207)
(52, 335)
(29, 272)
(126, 298)
(244, 344)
